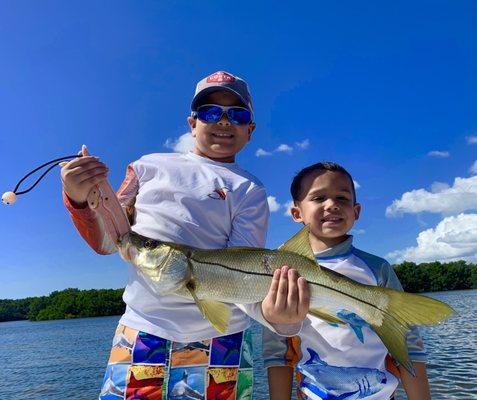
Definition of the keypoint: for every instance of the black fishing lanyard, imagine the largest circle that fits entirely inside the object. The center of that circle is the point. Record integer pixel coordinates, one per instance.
(10, 197)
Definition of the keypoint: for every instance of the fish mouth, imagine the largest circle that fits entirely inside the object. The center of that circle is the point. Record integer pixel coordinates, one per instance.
(124, 248)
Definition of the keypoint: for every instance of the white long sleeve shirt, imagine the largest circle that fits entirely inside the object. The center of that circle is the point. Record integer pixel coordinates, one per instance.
(185, 199)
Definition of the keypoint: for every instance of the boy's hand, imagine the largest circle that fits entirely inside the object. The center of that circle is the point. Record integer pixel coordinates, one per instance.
(80, 175)
(288, 299)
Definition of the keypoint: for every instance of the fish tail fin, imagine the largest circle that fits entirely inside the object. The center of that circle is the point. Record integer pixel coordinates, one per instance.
(402, 311)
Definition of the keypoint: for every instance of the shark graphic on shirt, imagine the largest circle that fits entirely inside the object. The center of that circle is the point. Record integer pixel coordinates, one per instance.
(183, 391)
(328, 382)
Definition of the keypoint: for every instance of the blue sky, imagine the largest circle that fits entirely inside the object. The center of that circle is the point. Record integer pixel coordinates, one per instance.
(389, 90)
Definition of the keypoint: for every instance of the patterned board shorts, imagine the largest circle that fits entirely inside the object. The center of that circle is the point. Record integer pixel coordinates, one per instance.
(147, 367)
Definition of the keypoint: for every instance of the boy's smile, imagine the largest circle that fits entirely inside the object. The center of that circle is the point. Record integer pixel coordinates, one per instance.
(327, 204)
(222, 140)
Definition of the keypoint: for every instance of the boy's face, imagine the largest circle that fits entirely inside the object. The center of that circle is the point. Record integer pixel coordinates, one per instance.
(327, 205)
(220, 141)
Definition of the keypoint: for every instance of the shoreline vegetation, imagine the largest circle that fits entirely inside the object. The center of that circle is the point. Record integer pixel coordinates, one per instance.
(75, 303)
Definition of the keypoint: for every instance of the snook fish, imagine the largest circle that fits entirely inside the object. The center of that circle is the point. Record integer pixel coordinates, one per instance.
(243, 275)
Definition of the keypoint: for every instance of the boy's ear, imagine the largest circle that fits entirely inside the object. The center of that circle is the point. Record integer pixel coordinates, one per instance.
(251, 128)
(296, 214)
(192, 123)
(357, 211)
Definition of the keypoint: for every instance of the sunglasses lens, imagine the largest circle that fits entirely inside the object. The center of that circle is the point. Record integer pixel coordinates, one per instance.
(239, 116)
(213, 113)
(209, 113)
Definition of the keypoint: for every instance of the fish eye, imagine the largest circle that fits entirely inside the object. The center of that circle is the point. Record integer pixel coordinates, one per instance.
(149, 244)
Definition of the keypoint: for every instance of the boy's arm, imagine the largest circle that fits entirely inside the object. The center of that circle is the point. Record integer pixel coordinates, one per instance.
(78, 180)
(280, 381)
(280, 355)
(416, 387)
(250, 220)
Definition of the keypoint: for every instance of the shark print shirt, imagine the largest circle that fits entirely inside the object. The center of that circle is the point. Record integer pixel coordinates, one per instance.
(184, 199)
(343, 361)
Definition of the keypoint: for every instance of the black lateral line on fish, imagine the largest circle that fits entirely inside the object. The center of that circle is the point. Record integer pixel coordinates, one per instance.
(270, 275)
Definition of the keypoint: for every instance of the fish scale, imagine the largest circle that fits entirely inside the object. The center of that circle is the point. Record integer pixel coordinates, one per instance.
(254, 268)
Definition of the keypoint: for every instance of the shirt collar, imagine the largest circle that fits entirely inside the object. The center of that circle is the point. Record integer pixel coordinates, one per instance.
(338, 250)
(206, 160)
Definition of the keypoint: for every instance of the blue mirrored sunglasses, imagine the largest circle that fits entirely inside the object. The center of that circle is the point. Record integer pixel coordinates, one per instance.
(211, 113)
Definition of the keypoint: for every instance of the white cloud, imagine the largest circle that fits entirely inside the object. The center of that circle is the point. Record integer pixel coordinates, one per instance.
(303, 144)
(454, 238)
(439, 154)
(356, 185)
(358, 231)
(462, 196)
(473, 168)
(472, 139)
(183, 144)
(284, 148)
(288, 205)
(273, 204)
(261, 153)
(438, 187)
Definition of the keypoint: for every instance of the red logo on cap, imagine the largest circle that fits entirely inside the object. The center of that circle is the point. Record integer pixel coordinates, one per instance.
(220, 76)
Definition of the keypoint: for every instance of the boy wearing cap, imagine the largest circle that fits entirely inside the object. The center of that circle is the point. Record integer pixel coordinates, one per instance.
(163, 347)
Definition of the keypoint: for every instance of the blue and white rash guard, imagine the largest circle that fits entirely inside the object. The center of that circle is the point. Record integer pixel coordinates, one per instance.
(346, 361)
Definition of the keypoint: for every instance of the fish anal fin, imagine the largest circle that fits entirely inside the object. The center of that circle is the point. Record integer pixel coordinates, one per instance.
(215, 311)
(325, 316)
(300, 244)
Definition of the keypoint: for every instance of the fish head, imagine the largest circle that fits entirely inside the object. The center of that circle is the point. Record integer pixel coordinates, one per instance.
(164, 266)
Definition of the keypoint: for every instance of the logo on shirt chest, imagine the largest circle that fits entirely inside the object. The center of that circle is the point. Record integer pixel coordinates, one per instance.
(220, 193)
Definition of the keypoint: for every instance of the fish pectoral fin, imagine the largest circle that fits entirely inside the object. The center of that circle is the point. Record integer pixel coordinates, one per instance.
(300, 244)
(325, 316)
(215, 311)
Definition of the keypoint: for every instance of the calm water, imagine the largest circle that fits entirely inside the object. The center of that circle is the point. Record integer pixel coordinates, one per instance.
(66, 359)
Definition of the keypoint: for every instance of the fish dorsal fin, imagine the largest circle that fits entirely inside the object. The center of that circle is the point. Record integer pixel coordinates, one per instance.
(300, 244)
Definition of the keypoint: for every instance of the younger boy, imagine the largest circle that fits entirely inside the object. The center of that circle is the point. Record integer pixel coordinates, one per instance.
(346, 361)
(163, 347)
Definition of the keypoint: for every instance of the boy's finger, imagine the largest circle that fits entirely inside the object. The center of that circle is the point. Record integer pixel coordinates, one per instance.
(292, 300)
(84, 150)
(272, 292)
(304, 296)
(282, 294)
(83, 161)
(87, 175)
(98, 178)
(77, 172)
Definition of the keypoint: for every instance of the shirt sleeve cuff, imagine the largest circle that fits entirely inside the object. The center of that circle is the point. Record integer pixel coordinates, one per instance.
(287, 329)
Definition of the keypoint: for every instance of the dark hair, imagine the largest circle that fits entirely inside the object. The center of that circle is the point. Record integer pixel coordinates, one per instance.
(323, 166)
